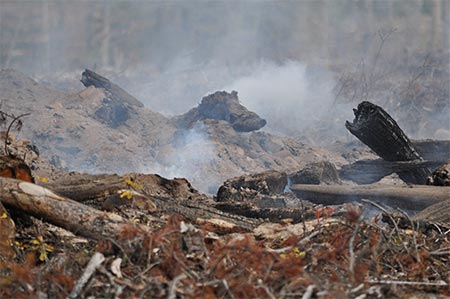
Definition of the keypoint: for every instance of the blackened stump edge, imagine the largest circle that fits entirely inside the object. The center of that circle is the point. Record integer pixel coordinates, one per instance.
(379, 131)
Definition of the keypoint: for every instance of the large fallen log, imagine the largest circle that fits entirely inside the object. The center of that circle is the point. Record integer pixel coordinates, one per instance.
(63, 212)
(91, 78)
(413, 198)
(379, 131)
(86, 187)
(371, 171)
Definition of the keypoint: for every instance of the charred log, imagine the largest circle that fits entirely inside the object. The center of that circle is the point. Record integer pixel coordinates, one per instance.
(406, 197)
(113, 91)
(371, 171)
(271, 214)
(90, 187)
(379, 131)
(433, 150)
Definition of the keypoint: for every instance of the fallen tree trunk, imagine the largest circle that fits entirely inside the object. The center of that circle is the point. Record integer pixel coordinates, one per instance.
(91, 78)
(379, 131)
(86, 187)
(371, 171)
(406, 197)
(63, 212)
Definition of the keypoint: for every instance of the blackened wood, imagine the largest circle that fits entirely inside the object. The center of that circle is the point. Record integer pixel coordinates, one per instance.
(116, 93)
(433, 150)
(272, 214)
(379, 131)
(412, 197)
(371, 171)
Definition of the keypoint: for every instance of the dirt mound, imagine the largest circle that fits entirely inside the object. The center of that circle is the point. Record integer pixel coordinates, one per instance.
(88, 132)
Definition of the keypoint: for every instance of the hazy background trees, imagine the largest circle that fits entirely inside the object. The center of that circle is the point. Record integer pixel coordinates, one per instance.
(42, 36)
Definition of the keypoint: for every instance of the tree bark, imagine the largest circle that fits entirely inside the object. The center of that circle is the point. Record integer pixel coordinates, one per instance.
(63, 212)
(406, 197)
(86, 187)
(379, 131)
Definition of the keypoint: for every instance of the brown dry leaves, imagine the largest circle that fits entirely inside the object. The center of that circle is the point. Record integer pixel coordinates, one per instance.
(181, 260)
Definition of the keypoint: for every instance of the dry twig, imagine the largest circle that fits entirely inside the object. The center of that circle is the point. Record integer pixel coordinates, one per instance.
(96, 260)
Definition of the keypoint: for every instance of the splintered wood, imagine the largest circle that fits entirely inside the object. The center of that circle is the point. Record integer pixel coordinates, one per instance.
(379, 131)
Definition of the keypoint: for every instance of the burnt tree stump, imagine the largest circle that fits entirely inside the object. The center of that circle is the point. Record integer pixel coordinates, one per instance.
(379, 131)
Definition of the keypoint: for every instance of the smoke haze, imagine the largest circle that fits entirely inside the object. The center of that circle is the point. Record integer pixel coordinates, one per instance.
(302, 65)
(289, 96)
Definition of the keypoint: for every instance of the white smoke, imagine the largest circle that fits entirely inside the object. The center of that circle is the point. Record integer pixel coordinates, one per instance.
(292, 96)
(191, 156)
